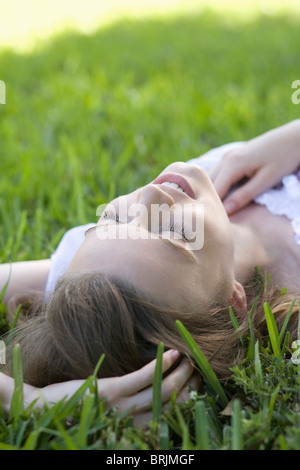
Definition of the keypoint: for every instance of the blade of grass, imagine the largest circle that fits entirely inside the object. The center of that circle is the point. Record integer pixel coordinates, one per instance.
(257, 363)
(201, 426)
(86, 416)
(20, 232)
(185, 434)
(164, 439)
(32, 439)
(3, 291)
(94, 386)
(206, 369)
(285, 343)
(156, 404)
(237, 437)
(272, 404)
(251, 346)
(259, 280)
(273, 331)
(37, 233)
(49, 413)
(17, 401)
(20, 432)
(172, 421)
(13, 324)
(234, 321)
(98, 365)
(74, 399)
(70, 444)
(282, 442)
(284, 326)
(2, 412)
(7, 249)
(4, 446)
(5, 218)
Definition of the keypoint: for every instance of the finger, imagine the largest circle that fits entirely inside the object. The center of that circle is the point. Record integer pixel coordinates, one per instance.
(138, 380)
(177, 379)
(183, 395)
(243, 195)
(174, 382)
(142, 419)
(212, 172)
(193, 384)
(227, 176)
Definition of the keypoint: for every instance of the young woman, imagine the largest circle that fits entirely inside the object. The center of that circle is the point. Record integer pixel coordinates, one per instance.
(104, 292)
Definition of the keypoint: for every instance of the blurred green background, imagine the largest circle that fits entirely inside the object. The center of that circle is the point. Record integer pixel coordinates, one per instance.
(101, 96)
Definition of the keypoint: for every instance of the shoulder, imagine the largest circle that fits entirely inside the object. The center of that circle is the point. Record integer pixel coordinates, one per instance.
(65, 252)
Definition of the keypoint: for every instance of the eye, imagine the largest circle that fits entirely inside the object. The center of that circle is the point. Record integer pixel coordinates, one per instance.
(110, 214)
(175, 228)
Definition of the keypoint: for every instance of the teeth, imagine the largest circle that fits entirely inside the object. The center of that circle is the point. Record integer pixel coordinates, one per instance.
(173, 185)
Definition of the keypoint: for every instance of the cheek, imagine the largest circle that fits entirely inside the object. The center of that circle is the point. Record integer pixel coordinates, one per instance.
(170, 286)
(217, 228)
(217, 255)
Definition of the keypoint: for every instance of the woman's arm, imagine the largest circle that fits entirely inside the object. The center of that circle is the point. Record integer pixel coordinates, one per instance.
(23, 276)
(264, 161)
(132, 391)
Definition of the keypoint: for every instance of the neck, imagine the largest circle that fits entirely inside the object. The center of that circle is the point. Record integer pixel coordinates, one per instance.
(264, 240)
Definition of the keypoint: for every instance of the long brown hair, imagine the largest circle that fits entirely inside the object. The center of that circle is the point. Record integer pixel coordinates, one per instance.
(92, 314)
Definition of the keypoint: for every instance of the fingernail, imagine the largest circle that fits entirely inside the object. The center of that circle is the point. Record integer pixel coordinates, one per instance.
(230, 206)
(174, 354)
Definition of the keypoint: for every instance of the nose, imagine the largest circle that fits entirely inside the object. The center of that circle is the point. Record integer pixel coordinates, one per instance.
(152, 201)
(154, 194)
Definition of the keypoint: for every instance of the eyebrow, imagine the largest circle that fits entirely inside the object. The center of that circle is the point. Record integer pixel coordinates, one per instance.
(176, 246)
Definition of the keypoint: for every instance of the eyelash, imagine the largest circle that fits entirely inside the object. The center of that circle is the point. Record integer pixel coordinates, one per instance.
(166, 226)
(109, 214)
(175, 228)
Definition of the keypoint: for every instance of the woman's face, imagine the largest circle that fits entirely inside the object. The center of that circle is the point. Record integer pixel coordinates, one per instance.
(189, 267)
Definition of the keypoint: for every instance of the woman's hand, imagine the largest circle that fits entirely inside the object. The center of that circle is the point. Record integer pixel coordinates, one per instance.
(262, 161)
(132, 391)
(135, 390)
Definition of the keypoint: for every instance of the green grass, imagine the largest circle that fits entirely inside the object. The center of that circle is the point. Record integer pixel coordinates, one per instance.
(89, 117)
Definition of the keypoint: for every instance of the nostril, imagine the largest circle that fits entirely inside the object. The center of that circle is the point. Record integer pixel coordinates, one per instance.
(154, 194)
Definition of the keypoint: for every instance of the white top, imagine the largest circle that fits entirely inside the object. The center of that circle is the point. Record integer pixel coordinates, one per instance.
(284, 199)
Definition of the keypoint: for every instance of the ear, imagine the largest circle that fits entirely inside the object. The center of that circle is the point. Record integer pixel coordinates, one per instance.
(238, 299)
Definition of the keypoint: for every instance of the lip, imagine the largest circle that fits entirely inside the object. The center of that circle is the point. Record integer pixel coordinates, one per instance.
(178, 179)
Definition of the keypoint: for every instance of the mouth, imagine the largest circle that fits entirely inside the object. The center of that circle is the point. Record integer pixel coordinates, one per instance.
(175, 181)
